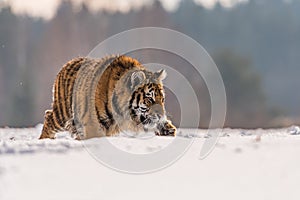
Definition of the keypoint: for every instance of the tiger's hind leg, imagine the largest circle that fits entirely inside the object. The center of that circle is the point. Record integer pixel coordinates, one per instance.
(49, 126)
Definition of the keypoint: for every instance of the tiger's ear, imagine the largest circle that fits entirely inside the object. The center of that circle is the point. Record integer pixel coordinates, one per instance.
(160, 75)
(137, 78)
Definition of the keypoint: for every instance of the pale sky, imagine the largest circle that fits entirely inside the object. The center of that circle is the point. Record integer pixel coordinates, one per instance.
(47, 8)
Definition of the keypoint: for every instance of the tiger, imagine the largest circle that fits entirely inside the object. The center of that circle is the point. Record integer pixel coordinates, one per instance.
(98, 97)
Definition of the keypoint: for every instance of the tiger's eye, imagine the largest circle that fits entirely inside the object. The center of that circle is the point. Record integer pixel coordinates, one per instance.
(147, 101)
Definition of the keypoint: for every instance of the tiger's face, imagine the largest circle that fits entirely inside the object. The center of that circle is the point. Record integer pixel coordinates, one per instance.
(147, 100)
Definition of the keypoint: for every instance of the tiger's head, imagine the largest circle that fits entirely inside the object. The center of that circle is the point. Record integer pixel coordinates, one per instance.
(146, 104)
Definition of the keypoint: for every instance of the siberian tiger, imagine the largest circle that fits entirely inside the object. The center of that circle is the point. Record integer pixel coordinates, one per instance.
(102, 97)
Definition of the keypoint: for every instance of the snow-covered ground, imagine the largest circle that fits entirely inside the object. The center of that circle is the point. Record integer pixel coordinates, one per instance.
(245, 164)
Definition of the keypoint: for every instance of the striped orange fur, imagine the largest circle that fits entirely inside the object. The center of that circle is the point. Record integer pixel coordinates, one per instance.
(101, 97)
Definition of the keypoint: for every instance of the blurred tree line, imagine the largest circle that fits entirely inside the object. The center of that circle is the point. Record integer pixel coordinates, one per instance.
(255, 45)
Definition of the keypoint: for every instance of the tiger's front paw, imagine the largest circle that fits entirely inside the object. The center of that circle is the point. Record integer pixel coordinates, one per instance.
(166, 129)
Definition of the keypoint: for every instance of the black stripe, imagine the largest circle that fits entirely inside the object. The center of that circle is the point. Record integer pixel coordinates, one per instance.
(69, 98)
(66, 97)
(58, 114)
(109, 114)
(61, 100)
(131, 100)
(52, 123)
(144, 95)
(101, 120)
(138, 98)
(56, 119)
(74, 62)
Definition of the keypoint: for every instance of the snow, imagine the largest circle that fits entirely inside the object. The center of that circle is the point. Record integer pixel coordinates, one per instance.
(294, 130)
(245, 164)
